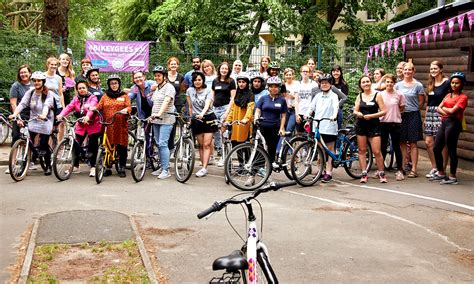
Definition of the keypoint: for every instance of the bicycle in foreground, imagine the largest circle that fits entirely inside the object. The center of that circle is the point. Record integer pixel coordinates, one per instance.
(251, 262)
(309, 159)
(184, 155)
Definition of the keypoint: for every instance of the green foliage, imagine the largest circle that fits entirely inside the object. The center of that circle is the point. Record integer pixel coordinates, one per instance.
(86, 16)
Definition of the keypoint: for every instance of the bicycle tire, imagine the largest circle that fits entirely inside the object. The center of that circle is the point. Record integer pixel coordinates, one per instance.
(184, 160)
(63, 155)
(100, 165)
(286, 154)
(132, 139)
(155, 156)
(351, 152)
(389, 156)
(178, 133)
(236, 167)
(18, 160)
(307, 165)
(225, 152)
(53, 142)
(138, 163)
(4, 131)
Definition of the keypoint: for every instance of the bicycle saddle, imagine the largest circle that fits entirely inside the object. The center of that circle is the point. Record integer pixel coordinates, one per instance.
(346, 130)
(232, 262)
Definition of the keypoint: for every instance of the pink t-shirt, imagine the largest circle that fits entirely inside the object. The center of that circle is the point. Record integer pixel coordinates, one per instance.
(393, 102)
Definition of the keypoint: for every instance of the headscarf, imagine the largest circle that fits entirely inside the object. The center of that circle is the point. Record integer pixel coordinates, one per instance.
(243, 96)
(114, 94)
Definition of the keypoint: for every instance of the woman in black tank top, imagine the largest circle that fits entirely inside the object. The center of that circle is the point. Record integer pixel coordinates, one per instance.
(368, 108)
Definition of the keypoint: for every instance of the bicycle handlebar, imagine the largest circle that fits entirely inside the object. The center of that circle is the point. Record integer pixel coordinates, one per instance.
(219, 205)
(101, 121)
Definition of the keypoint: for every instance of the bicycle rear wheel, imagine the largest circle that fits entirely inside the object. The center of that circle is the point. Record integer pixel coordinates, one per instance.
(4, 131)
(307, 163)
(63, 160)
(184, 160)
(138, 164)
(100, 165)
(19, 160)
(389, 156)
(351, 156)
(244, 172)
(288, 150)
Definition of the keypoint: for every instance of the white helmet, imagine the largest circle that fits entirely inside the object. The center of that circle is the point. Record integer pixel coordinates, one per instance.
(38, 75)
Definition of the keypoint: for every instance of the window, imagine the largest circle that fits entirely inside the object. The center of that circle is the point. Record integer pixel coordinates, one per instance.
(290, 47)
(272, 51)
(370, 17)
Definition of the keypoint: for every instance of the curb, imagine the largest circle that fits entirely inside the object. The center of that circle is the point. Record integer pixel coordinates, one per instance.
(25, 269)
(143, 253)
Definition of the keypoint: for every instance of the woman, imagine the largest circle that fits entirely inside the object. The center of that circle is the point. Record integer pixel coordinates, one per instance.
(90, 127)
(93, 81)
(141, 92)
(339, 82)
(85, 65)
(399, 71)
(273, 109)
(257, 82)
(378, 84)
(236, 69)
(209, 71)
(176, 79)
(292, 89)
(452, 110)
(113, 101)
(67, 75)
(411, 127)
(17, 92)
(438, 88)
(163, 122)
(54, 83)
(223, 93)
(199, 100)
(304, 97)
(390, 123)
(264, 62)
(40, 102)
(311, 63)
(326, 105)
(369, 107)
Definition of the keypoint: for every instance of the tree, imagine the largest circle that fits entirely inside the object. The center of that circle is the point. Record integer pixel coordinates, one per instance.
(56, 20)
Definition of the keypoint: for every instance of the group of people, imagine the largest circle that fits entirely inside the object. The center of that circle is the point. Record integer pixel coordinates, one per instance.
(388, 105)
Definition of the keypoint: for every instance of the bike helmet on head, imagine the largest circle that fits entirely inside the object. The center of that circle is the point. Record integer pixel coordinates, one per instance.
(459, 75)
(38, 75)
(243, 76)
(89, 72)
(325, 77)
(257, 75)
(274, 81)
(114, 77)
(273, 65)
(160, 69)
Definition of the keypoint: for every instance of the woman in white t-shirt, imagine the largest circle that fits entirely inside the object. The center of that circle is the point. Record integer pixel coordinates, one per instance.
(304, 97)
(292, 89)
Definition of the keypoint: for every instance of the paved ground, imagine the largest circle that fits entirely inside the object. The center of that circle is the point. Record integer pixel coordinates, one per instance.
(410, 231)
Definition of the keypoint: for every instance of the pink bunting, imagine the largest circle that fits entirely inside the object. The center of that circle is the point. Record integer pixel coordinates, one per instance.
(371, 49)
(377, 47)
(434, 29)
(411, 37)
(461, 21)
(404, 42)
(470, 17)
(451, 26)
(418, 38)
(366, 69)
(382, 47)
(395, 44)
(442, 28)
(389, 46)
(427, 35)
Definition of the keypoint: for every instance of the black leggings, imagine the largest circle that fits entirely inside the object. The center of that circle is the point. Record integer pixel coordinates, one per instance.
(122, 152)
(93, 147)
(271, 138)
(43, 146)
(448, 135)
(393, 129)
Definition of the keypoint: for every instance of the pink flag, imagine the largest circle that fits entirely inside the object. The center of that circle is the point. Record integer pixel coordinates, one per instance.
(427, 35)
(461, 21)
(377, 47)
(418, 38)
(366, 69)
(389, 46)
(470, 17)
(382, 47)
(434, 29)
(451, 26)
(371, 49)
(395, 44)
(442, 28)
(404, 42)
(411, 37)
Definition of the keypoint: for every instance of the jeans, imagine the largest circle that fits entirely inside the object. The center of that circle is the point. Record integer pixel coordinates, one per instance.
(162, 135)
(219, 111)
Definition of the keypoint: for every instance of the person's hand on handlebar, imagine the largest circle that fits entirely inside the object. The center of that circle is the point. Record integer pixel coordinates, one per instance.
(85, 120)
(244, 121)
(281, 132)
(43, 117)
(124, 111)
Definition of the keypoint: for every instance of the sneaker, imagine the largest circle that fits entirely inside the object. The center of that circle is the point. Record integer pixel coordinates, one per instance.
(431, 173)
(202, 172)
(164, 174)
(47, 172)
(220, 163)
(437, 177)
(275, 166)
(156, 173)
(121, 172)
(250, 181)
(108, 172)
(399, 175)
(32, 167)
(382, 177)
(376, 174)
(7, 171)
(326, 178)
(262, 172)
(364, 178)
(92, 172)
(76, 170)
(449, 180)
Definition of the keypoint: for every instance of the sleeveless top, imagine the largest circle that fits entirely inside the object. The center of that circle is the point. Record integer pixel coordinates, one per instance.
(366, 108)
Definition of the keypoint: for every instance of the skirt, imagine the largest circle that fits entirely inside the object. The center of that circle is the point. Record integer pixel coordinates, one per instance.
(411, 127)
(432, 121)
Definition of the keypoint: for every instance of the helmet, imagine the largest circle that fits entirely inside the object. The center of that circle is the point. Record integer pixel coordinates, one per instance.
(325, 77)
(114, 77)
(38, 75)
(459, 75)
(243, 76)
(273, 65)
(160, 69)
(89, 72)
(257, 75)
(274, 81)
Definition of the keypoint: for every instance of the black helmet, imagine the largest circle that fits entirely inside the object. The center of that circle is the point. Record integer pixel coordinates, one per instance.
(325, 77)
(114, 77)
(89, 72)
(273, 65)
(160, 69)
(459, 75)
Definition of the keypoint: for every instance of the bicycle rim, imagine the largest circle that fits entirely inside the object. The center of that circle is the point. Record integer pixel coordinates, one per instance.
(63, 160)
(155, 156)
(138, 164)
(244, 171)
(351, 156)
(307, 163)
(100, 166)
(288, 150)
(18, 160)
(184, 160)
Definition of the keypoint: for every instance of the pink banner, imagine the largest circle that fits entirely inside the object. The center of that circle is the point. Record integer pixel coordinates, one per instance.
(470, 17)
(377, 47)
(427, 35)
(371, 49)
(395, 44)
(434, 29)
(411, 37)
(382, 47)
(404, 42)
(118, 56)
(461, 21)
(418, 38)
(389, 46)
(442, 28)
(451, 26)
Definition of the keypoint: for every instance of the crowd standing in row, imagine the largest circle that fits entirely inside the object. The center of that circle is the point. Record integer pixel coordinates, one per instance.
(388, 106)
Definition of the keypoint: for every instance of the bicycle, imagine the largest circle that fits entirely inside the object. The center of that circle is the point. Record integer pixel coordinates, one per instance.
(251, 262)
(226, 142)
(5, 125)
(389, 158)
(144, 150)
(22, 151)
(184, 155)
(309, 159)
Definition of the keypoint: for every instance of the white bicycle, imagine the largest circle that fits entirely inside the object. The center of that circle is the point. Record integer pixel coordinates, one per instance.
(250, 263)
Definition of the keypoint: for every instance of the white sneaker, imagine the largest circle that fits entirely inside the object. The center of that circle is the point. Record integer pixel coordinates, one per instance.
(76, 170)
(92, 172)
(220, 163)
(202, 172)
(7, 171)
(156, 173)
(431, 173)
(32, 167)
(164, 174)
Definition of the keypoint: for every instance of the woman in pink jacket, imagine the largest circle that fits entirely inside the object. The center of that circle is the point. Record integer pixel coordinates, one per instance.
(89, 126)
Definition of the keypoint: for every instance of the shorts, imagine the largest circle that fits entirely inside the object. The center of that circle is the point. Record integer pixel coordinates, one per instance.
(328, 138)
(206, 125)
(300, 127)
(369, 128)
(432, 121)
(411, 130)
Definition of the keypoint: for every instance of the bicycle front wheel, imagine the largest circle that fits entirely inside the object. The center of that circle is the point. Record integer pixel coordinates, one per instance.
(307, 163)
(138, 163)
(288, 150)
(389, 156)
(100, 165)
(63, 160)
(4, 131)
(247, 167)
(351, 157)
(19, 160)
(184, 160)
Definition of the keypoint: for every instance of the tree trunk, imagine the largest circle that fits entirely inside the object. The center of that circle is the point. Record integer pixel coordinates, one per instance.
(334, 10)
(248, 51)
(56, 21)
